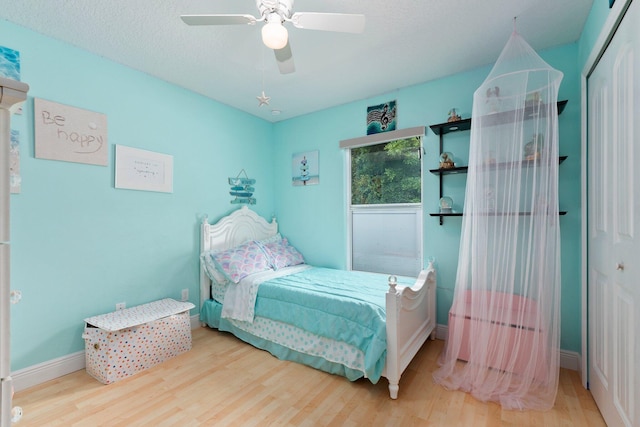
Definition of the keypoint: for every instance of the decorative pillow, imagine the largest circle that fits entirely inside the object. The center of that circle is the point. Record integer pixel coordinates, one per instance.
(237, 263)
(210, 268)
(281, 254)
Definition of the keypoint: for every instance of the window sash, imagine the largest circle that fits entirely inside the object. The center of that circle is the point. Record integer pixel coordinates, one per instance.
(390, 252)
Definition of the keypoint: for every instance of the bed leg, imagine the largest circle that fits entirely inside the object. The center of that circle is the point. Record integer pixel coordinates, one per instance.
(393, 390)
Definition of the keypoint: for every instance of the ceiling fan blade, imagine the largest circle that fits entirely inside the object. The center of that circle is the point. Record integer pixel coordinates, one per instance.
(218, 19)
(341, 22)
(284, 58)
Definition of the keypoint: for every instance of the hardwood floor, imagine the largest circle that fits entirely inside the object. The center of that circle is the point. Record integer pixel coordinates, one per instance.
(223, 381)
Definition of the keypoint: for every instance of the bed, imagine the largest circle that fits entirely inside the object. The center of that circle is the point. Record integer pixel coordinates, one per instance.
(255, 285)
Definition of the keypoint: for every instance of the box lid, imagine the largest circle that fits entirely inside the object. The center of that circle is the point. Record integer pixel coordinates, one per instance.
(138, 315)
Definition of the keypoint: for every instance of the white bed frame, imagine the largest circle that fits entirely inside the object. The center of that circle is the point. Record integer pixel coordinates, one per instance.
(411, 312)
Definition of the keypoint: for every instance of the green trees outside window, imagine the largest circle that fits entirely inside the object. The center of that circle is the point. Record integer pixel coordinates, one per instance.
(387, 173)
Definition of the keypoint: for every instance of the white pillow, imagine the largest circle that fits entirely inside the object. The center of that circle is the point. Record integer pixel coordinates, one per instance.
(210, 268)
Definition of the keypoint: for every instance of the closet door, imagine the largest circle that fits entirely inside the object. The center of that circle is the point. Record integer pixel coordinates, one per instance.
(614, 225)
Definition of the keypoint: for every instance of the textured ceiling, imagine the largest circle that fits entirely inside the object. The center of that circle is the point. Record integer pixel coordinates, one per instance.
(405, 42)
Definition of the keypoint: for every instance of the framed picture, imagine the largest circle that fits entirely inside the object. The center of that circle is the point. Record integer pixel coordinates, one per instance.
(69, 134)
(9, 63)
(304, 169)
(381, 118)
(143, 170)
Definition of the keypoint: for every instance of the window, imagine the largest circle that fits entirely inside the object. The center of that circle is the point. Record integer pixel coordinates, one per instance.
(386, 173)
(385, 202)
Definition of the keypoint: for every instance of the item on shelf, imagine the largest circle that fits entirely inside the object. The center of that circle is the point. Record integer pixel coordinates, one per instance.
(490, 158)
(490, 199)
(533, 99)
(446, 204)
(532, 148)
(493, 99)
(453, 115)
(446, 161)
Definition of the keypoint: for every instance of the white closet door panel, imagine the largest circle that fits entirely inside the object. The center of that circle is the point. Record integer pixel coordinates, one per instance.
(623, 365)
(599, 156)
(623, 110)
(600, 323)
(614, 248)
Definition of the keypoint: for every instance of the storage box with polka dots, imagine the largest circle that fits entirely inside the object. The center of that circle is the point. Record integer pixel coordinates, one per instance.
(125, 342)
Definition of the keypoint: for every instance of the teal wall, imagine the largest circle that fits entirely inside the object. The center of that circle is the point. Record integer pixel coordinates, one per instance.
(315, 217)
(592, 27)
(79, 245)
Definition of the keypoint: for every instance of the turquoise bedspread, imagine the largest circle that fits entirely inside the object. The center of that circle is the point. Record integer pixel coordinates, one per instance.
(342, 305)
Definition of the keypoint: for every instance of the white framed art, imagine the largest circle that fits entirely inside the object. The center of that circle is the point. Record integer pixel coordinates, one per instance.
(143, 170)
(70, 134)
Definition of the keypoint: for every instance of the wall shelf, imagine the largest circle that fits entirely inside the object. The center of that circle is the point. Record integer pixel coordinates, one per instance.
(492, 119)
(464, 169)
(529, 111)
(490, 214)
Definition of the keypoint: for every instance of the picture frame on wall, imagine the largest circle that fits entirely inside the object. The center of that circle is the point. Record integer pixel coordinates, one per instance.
(143, 170)
(70, 134)
(382, 118)
(304, 169)
(9, 63)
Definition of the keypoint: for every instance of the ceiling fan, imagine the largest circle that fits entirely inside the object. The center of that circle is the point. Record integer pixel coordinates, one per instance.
(274, 13)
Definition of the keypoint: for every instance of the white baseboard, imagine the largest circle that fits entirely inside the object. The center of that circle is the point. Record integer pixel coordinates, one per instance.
(195, 322)
(46, 371)
(568, 359)
(52, 369)
(442, 332)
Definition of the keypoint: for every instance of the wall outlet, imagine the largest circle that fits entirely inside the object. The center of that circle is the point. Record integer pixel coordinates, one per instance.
(121, 306)
(185, 295)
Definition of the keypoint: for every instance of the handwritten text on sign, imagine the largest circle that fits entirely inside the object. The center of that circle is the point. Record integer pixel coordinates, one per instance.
(71, 134)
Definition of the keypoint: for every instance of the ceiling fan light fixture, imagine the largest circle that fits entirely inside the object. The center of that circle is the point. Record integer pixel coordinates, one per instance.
(274, 35)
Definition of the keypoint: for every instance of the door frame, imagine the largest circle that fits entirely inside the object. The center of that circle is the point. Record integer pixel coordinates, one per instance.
(606, 34)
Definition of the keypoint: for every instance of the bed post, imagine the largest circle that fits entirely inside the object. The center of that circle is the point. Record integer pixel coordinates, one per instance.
(392, 365)
(204, 279)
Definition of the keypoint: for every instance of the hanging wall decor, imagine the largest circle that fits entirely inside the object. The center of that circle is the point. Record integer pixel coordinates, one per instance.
(70, 134)
(382, 118)
(9, 63)
(242, 189)
(143, 170)
(304, 169)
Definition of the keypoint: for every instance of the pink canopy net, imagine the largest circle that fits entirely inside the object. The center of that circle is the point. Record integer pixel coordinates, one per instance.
(503, 328)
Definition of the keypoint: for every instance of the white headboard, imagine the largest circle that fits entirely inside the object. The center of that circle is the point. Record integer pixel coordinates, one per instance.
(236, 228)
